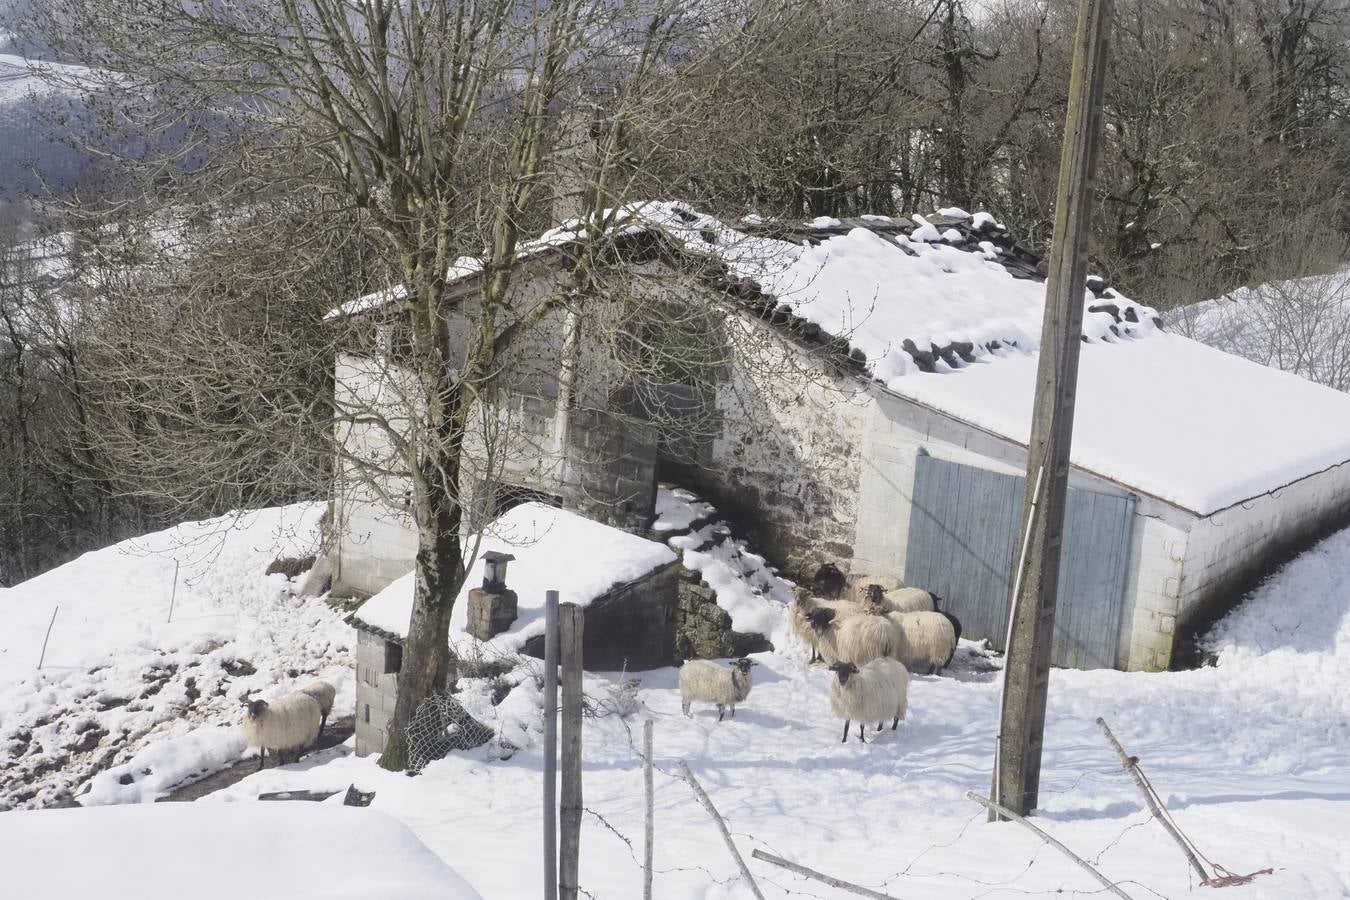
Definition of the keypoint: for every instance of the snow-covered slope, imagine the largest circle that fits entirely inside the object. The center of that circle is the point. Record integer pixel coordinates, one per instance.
(299, 851)
(118, 675)
(1249, 754)
(1300, 326)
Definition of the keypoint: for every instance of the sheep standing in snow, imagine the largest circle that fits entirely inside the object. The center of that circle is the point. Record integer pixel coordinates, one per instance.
(829, 581)
(707, 682)
(804, 606)
(925, 641)
(874, 692)
(856, 637)
(323, 694)
(291, 723)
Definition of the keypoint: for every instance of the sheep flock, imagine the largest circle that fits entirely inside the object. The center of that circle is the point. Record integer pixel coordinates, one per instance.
(870, 644)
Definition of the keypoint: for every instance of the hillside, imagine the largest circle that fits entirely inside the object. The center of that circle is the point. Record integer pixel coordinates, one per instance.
(148, 698)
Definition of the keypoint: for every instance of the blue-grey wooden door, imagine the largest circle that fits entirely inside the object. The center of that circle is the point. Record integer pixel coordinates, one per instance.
(962, 531)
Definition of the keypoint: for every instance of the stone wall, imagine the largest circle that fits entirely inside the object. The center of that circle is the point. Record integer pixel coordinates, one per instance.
(609, 469)
(703, 629)
(786, 462)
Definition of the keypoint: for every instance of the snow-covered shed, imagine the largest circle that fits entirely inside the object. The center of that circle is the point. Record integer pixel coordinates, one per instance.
(628, 586)
(880, 424)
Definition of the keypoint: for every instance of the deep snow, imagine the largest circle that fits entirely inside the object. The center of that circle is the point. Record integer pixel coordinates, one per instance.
(120, 680)
(1249, 754)
(299, 851)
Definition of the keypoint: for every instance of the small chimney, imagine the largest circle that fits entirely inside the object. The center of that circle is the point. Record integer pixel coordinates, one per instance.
(494, 571)
(492, 607)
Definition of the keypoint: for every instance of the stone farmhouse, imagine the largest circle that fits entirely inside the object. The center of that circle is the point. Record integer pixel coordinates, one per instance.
(859, 393)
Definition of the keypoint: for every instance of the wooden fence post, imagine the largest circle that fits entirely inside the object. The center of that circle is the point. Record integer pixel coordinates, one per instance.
(569, 863)
(721, 824)
(649, 834)
(551, 745)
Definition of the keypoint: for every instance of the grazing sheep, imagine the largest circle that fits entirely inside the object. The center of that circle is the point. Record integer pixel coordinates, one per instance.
(323, 694)
(926, 641)
(876, 691)
(707, 682)
(291, 723)
(851, 637)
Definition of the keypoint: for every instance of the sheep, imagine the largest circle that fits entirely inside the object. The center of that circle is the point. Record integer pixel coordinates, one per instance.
(909, 599)
(291, 723)
(855, 637)
(879, 690)
(926, 641)
(829, 581)
(804, 606)
(706, 681)
(323, 694)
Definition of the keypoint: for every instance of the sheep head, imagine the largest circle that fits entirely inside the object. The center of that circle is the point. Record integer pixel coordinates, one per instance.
(256, 708)
(874, 593)
(820, 619)
(744, 664)
(845, 671)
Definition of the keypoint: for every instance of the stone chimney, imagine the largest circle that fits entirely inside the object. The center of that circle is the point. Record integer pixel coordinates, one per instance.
(492, 607)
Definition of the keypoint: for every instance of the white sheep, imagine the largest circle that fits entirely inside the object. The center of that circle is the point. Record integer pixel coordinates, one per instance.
(707, 682)
(925, 641)
(323, 694)
(857, 639)
(874, 692)
(909, 599)
(806, 622)
(291, 723)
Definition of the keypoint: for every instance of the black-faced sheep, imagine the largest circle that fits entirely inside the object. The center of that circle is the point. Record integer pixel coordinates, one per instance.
(904, 599)
(870, 693)
(829, 581)
(291, 723)
(804, 607)
(323, 694)
(707, 682)
(925, 641)
(854, 637)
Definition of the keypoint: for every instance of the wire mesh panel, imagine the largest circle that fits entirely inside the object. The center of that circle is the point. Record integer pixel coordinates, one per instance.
(962, 537)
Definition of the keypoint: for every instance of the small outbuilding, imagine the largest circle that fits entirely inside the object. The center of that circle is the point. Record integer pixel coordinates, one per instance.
(630, 588)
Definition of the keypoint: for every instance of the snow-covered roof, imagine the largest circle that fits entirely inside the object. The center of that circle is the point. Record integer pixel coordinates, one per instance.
(946, 310)
(554, 550)
(165, 851)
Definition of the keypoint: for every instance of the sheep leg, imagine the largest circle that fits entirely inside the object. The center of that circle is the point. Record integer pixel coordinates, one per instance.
(323, 720)
(846, 724)
(720, 711)
(262, 752)
(879, 724)
(895, 723)
(685, 706)
(861, 736)
(733, 710)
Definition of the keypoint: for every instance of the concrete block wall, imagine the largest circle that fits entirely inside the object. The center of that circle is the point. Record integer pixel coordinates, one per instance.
(1230, 550)
(375, 694)
(1152, 594)
(609, 469)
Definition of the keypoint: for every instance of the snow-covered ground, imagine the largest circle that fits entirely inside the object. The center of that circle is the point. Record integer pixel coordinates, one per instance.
(1252, 756)
(300, 851)
(145, 700)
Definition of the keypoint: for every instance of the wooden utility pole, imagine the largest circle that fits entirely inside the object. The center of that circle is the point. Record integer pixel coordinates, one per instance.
(551, 745)
(1027, 665)
(569, 862)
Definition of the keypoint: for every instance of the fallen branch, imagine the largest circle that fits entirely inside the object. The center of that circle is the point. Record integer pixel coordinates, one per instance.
(821, 876)
(1082, 863)
(721, 826)
(1221, 877)
(48, 635)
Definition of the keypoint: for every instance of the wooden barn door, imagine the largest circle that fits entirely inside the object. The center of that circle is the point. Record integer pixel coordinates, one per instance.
(962, 532)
